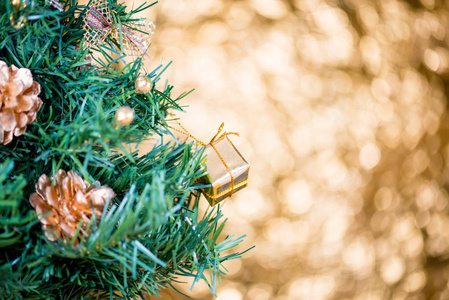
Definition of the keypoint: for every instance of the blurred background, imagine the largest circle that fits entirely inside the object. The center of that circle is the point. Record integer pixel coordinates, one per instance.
(342, 111)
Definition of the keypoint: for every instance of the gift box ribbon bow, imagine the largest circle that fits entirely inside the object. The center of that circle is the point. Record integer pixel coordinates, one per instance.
(216, 137)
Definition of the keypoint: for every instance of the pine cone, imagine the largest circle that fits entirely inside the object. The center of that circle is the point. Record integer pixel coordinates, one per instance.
(60, 207)
(19, 101)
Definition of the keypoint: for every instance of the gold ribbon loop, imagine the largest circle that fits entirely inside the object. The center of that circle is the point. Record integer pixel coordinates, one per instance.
(221, 136)
(218, 132)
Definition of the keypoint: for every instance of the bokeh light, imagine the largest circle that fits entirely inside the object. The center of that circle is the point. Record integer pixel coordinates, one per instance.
(342, 111)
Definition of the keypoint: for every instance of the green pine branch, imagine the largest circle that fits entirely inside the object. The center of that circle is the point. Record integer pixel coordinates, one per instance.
(151, 234)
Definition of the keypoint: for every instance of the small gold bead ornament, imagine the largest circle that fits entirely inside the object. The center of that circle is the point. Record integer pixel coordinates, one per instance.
(17, 19)
(124, 115)
(143, 84)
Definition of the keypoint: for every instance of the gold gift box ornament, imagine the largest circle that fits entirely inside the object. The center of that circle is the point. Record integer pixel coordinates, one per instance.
(227, 170)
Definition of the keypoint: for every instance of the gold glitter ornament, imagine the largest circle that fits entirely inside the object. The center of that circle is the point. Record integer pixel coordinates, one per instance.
(124, 115)
(143, 84)
(63, 205)
(19, 101)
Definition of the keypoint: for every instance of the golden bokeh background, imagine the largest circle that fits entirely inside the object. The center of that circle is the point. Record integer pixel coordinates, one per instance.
(342, 110)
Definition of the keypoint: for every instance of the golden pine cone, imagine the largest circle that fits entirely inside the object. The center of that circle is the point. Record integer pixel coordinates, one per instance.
(19, 101)
(60, 207)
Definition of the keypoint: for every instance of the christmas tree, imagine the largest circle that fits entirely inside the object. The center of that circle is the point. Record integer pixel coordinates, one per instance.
(83, 213)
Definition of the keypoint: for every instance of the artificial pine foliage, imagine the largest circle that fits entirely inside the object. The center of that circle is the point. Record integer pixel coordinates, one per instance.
(151, 232)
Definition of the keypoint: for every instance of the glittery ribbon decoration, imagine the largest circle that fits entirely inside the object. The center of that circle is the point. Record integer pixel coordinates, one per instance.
(217, 136)
(98, 26)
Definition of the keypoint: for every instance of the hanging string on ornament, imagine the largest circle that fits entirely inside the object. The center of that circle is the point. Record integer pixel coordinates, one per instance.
(17, 17)
(98, 26)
